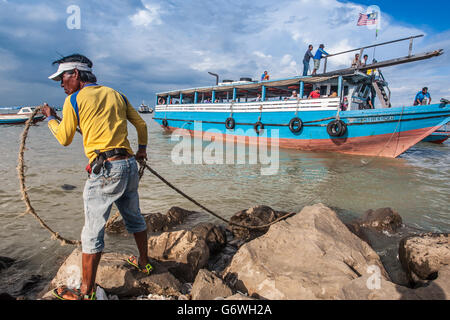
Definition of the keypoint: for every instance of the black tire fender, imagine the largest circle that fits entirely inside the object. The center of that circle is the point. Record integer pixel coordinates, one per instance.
(295, 125)
(164, 123)
(336, 128)
(230, 123)
(259, 126)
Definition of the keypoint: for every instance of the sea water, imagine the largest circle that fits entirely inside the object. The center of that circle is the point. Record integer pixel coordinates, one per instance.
(416, 184)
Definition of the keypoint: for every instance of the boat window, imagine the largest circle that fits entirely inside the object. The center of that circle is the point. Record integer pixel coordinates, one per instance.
(345, 90)
(323, 90)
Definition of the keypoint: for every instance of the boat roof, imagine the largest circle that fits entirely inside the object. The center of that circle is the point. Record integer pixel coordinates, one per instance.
(349, 73)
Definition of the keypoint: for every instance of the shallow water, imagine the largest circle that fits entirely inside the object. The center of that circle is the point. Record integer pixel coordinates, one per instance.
(417, 185)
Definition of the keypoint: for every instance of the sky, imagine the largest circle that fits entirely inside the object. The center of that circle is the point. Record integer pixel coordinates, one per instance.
(143, 47)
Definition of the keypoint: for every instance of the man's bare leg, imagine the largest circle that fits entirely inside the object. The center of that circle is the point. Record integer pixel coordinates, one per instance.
(90, 264)
(141, 242)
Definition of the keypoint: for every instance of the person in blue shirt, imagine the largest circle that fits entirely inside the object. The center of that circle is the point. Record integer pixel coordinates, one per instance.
(265, 76)
(418, 100)
(306, 59)
(319, 55)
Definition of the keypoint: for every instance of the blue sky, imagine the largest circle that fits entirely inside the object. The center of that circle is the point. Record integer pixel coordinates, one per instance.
(148, 46)
(431, 16)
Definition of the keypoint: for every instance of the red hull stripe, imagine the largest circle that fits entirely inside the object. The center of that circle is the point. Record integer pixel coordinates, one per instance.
(383, 145)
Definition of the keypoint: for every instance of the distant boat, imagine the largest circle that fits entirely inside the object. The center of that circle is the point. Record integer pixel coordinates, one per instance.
(439, 136)
(20, 117)
(144, 109)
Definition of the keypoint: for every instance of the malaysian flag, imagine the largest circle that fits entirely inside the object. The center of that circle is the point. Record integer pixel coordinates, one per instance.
(368, 19)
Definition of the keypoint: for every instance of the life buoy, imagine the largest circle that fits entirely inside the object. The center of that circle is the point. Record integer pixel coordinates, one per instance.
(295, 125)
(164, 123)
(161, 100)
(230, 123)
(336, 128)
(259, 126)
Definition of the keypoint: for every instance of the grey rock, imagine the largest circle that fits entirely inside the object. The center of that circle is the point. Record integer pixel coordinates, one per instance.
(311, 255)
(207, 286)
(182, 250)
(117, 277)
(422, 256)
(155, 221)
(255, 216)
(214, 236)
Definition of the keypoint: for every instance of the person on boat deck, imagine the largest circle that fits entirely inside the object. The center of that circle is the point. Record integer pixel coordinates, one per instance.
(265, 76)
(258, 97)
(319, 55)
(102, 114)
(315, 93)
(307, 59)
(421, 95)
(344, 104)
(333, 94)
(364, 62)
(356, 63)
(294, 95)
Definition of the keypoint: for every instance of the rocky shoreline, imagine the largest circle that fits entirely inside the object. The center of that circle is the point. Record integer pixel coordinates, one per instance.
(309, 255)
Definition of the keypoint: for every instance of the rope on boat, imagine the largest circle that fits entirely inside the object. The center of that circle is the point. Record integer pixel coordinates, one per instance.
(143, 166)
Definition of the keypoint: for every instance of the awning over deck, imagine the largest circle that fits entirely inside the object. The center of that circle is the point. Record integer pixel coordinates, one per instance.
(252, 85)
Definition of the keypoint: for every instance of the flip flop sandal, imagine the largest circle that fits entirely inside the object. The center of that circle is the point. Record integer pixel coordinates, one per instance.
(134, 262)
(76, 292)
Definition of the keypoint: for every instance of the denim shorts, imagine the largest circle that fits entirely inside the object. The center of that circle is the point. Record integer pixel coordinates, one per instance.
(117, 182)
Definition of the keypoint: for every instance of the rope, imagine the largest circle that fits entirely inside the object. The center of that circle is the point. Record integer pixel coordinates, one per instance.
(23, 188)
(143, 166)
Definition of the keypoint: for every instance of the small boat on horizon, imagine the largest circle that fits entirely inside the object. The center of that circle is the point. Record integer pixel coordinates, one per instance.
(343, 118)
(144, 109)
(20, 117)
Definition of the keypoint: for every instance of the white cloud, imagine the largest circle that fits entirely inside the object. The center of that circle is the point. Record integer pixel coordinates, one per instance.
(147, 16)
(162, 45)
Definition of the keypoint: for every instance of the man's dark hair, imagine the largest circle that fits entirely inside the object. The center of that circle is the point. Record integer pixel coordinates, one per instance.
(366, 56)
(425, 88)
(85, 76)
(310, 45)
(321, 45)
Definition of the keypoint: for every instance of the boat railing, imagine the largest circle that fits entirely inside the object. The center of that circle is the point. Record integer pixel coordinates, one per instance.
(254, 105)
(361, 50)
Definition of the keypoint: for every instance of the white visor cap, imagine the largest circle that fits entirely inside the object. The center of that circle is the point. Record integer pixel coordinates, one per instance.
(67, 66)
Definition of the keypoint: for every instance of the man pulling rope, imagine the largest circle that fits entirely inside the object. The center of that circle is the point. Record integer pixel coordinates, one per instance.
(102, 115)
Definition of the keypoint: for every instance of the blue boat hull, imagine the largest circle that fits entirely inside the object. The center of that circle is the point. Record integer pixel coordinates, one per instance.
(381, 132)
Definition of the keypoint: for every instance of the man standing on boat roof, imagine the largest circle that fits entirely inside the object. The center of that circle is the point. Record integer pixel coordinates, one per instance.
(319, 55)
(306, 60)
(265, 76)
(421, 95)
(102, 115)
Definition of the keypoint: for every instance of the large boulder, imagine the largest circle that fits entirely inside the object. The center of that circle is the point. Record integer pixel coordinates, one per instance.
(363, 289)
(186, 252)
(422, 256)
(255, 216)
(207, 286)
(117, 277)
(155, 221)
(311, 255)
(215, 236)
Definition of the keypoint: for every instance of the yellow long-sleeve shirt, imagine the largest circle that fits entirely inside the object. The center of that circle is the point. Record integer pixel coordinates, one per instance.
(102, 115)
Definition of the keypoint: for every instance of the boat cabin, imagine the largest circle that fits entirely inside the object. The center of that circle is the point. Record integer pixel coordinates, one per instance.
(352, 91)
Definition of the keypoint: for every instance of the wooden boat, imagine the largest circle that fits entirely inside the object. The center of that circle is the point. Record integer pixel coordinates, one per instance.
(439, 136)
(20, 117)
(341, 120)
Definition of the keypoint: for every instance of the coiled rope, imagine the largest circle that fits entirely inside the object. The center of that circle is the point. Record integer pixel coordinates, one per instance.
(143, 166)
